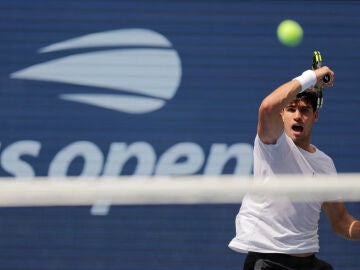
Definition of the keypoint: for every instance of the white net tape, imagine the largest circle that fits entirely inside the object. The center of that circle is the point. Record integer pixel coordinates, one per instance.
(173, 190)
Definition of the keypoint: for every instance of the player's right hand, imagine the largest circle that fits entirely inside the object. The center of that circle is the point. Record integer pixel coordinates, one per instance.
(321, 73)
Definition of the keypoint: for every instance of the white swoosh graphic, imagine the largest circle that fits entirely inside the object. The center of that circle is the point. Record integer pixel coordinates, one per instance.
(124, 103)
(114, 69)
(151, 70)
(127, 37)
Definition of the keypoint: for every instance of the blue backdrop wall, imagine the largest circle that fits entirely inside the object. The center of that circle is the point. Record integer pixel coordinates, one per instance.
(106, 88)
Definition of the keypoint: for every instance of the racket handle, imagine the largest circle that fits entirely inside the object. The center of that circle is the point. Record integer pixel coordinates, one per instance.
(326, 78)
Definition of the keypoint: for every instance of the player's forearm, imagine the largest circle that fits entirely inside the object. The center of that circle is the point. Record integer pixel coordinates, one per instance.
(270, 125)
(354, 230)
(287, 92)
(341, 221)
(347, 227)
(280, 97)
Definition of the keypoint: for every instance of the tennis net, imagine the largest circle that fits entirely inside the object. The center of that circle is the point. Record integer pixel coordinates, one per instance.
(150, 222)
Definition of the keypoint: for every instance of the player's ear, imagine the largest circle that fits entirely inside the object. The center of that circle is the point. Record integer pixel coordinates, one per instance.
(282, 114)
(316, 115)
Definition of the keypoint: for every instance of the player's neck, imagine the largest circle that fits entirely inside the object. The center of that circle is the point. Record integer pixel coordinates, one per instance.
(306, 146)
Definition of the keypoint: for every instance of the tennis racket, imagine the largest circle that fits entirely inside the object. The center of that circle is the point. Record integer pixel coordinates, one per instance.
(317, 63)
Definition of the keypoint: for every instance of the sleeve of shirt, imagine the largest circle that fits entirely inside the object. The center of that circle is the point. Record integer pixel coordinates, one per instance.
(272, 152)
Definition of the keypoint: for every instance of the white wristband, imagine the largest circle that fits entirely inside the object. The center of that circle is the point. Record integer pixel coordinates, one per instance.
(307, 79)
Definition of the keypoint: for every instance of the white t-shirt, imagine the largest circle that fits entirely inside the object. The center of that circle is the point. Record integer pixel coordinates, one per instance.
(273, 225)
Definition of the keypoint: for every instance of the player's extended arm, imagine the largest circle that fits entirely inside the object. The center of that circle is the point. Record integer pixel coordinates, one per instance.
(270, 124)
(341, 221)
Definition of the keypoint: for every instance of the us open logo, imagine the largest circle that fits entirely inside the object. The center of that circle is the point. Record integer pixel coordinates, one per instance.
(139, 65)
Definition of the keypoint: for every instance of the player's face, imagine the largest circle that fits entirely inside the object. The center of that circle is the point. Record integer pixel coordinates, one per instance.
(298, 118)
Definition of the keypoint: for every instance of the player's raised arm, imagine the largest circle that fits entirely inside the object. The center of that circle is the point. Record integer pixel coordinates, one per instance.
(270, 124)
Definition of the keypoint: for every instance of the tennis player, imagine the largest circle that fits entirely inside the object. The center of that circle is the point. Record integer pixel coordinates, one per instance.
(282, 234)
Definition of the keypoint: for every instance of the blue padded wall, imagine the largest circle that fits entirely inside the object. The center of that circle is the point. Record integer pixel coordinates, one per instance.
(214, 61)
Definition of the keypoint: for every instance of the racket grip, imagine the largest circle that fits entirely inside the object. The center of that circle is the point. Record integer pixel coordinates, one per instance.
(326, 78)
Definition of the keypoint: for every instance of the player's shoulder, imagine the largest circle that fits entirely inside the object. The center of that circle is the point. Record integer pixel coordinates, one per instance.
(324, 161)
(321, 154)
(280, 140)
(272, 152)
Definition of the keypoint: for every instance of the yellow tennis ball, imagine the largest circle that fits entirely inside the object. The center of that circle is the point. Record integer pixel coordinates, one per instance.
(290, 33)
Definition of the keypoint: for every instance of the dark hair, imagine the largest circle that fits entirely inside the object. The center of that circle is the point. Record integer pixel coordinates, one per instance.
(310, 97)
